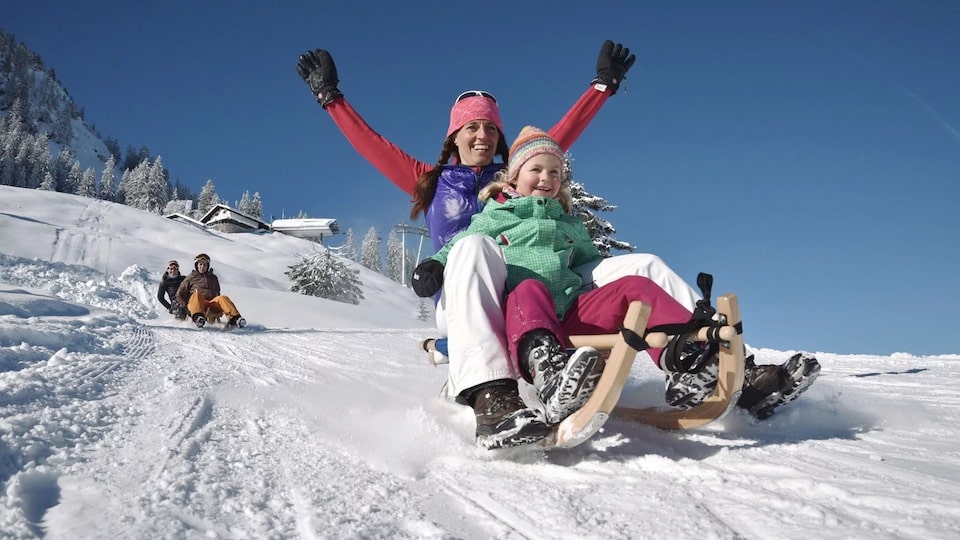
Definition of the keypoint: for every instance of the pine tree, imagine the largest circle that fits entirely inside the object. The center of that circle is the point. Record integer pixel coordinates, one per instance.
(134, 186)
(348, 250)
(395, 258)
(256, 206)
(323, 275)
(61, 169)
(157, 187)
(208, 199)
(62, 127)
(131, 159)
(88, 184)
(107, 179)
(585, 205)
(370, 251)
(41, 162)
(244, 204)
(73, 179)
(22, 162)
(423, 313)
(49, 183)
(121, 194)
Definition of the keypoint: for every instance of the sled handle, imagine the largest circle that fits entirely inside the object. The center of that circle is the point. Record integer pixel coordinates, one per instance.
(656, 340)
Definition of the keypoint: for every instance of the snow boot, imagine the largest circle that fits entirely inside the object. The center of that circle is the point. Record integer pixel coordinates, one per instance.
(237, 322)
(503, 419)
(199, 320)
(563, 384)
(769, 386)
(692, 369)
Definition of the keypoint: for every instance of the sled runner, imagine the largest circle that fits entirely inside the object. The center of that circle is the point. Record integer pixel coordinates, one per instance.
(624, 346)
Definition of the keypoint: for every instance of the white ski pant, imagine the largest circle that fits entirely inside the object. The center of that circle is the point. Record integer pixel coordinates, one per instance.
(470, 314)
(599, 273)
(470, 310)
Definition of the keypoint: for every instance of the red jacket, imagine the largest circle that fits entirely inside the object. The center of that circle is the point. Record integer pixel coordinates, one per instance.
(403, 170)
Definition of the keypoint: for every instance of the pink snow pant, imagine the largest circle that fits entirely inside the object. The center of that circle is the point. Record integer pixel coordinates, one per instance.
(599, 311)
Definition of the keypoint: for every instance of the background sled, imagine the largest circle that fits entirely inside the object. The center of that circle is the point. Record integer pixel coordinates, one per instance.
(582, 424)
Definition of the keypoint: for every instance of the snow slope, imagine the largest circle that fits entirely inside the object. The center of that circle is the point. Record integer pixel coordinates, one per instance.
(320, 420)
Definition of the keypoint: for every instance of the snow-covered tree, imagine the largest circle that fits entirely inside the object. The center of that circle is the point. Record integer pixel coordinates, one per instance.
(107, 179)
(324, 275)
(49, 183)
(586, 205)
(121, 194)
(208, 199)
(40, 161)
(62, 126)
(88, 184)
(256, 206)
(114, 148)
(396, 255)
(348, 250)
(423, 312)
(251, 206)
(61, 168)
(22, 162)
(181, 192)
(370, 251)
(74, 176)
(244, 203)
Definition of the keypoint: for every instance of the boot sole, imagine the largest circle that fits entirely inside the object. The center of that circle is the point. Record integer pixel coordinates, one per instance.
(803, 375)
(578, 381)
(528, 429)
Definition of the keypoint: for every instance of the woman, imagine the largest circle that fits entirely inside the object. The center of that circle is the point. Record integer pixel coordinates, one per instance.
(446, 193)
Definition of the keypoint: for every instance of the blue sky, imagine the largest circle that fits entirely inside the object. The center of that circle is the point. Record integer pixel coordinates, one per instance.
(805, 153)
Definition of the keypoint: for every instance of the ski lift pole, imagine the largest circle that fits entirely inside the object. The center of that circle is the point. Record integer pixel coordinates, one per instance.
(404, 229)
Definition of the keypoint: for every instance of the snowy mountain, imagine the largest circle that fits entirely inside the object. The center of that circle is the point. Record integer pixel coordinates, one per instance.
(320, 419)
(45, 105)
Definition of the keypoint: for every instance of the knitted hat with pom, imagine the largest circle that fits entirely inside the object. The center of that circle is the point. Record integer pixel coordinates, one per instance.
(532, 141)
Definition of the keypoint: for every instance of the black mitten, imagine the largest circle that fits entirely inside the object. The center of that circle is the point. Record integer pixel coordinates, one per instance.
(320, 73)
(612, 65)
(427, 278)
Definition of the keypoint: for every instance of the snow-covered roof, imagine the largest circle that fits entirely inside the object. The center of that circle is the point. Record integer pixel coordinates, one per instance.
(222, 212)
(306, 227)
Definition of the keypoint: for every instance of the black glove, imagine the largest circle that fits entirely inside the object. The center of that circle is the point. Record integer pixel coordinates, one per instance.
(427, 278)
(320, 74)
(612, 65)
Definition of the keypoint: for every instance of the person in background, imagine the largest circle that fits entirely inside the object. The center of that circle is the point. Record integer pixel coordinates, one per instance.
(200, 292)
(169, 284)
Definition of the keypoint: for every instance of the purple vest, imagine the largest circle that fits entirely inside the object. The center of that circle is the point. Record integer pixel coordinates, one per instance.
(455, 201)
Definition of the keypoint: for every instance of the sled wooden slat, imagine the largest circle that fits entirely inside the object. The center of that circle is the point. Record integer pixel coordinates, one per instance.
(725, 395)
(582, 424)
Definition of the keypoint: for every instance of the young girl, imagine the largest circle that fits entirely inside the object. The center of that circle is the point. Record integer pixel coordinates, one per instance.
(527, 218)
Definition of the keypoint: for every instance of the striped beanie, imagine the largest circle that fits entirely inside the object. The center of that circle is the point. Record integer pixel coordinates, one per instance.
(474, 108)
(531, 142)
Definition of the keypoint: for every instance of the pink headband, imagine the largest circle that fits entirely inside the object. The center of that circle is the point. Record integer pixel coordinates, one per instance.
(473, 108)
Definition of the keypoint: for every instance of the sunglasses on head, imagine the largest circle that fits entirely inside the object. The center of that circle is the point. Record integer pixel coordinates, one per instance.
(475, 93)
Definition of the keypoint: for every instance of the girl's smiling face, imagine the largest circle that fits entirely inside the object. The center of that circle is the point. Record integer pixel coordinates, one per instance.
(540, 176)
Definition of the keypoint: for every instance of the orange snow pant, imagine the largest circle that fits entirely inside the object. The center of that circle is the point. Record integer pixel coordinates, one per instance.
(213, 308)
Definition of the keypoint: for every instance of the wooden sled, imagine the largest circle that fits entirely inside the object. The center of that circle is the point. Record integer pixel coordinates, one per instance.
(583, 424)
